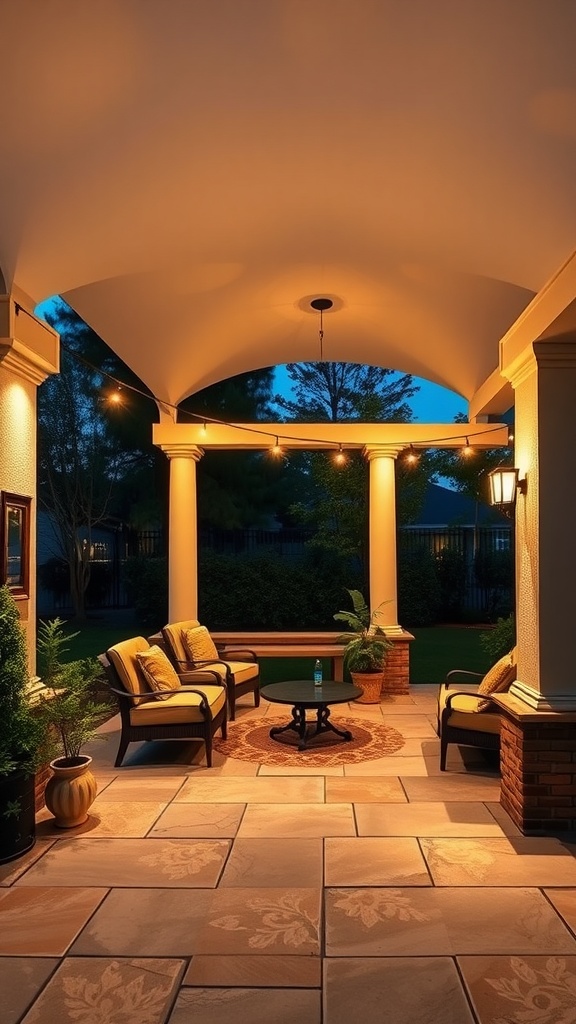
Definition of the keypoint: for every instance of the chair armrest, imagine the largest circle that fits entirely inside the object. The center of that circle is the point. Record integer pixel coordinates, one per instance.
(464, 693)
(237, 651)
(463, 672)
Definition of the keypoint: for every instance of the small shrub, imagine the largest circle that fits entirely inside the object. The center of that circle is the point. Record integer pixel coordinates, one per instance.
(499, 640)
(418, 589)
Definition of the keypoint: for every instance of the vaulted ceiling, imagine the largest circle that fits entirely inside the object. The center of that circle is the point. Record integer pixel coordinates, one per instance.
(189, 174)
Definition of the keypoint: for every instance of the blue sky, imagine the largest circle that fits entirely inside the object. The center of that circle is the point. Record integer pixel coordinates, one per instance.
(432, 404)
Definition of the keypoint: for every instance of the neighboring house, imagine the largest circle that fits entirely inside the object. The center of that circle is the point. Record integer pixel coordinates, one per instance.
(55, 599)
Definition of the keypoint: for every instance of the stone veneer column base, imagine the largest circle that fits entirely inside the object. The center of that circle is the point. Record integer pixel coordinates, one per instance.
(397, 670)
(538, 768)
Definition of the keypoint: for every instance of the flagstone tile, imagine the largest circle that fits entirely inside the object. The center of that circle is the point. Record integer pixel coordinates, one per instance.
(564, 900)
(90, 990)
(15, 868)
(538, 989)
(113, 818)
(374, 861)
(503, 818)
(193, 863)
(425, 990)
(412, 726)
(274, 862)
(525, 861)
(21, 979)
(442, 922)
(257, 971)
(43, 921)
(133, 790)
(369, 789)
(450, 787)
(393, 765)
(256, 790)
(223, 766)
(284, 820)
(426, 819)
(185, 922)
(416, 746)
(211, 821)
(247, 1006)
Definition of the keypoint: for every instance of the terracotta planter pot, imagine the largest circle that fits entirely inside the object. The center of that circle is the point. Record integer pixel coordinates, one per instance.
(371, 685)
(71, 791)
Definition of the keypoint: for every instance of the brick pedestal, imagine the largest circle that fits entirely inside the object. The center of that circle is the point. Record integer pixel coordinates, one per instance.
(397, 671)
(42, 776)
(538, 768)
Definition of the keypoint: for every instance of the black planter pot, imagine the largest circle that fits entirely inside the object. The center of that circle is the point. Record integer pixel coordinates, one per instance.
(17, 815)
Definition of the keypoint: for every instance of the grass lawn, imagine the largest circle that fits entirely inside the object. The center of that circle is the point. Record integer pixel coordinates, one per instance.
(434, 651)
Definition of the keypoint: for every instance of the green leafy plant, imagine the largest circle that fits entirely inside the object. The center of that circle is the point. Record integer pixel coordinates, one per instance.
(499, 640)
(21, 731)
(69, 710)
(366, 644)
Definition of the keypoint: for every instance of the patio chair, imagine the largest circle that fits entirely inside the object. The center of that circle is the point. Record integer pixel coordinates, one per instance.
(190, 646)
(468, 716)
(158, 704)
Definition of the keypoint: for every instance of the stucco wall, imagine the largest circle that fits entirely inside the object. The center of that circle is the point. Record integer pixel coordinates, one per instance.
(18, 472)
(527, 582)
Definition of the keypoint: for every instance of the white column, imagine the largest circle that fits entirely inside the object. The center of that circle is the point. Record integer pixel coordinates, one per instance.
(182, 532)
(382, 534)
(544, 380)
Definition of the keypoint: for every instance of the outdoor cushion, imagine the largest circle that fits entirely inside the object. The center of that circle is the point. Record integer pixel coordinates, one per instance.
(180, 707)
(199, 644)
(462, 715)
(174, 637)
(157, 670)
(499, 677)
(241, 671)
(124, 661)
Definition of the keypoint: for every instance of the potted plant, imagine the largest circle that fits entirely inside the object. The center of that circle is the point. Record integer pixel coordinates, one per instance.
(21, 735)
(366, 648)
(71, 716)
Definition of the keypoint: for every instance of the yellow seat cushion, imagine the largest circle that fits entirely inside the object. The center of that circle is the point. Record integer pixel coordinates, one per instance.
(467, 712)
(157, 670)
(241, 671)
(199, 644)
(178, 708)
(123, 658)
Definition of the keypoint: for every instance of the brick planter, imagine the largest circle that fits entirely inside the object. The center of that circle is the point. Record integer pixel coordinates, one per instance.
(538, 768)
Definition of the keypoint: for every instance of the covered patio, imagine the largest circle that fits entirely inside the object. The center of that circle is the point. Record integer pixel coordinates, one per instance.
(254, 892)
(190, 178)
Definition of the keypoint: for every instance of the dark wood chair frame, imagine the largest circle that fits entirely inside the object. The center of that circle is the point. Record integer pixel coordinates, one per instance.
(233, 689)
(169, 731)
(453, 734)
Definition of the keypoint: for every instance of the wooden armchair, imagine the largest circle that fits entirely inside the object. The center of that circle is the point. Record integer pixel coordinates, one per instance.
(466, 713)
(190, 646)
(158, 704)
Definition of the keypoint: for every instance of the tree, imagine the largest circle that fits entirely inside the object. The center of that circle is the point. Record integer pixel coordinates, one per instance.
(336, 500)
(83, 452)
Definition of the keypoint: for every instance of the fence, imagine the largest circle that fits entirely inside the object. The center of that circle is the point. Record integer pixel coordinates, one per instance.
(477, 549)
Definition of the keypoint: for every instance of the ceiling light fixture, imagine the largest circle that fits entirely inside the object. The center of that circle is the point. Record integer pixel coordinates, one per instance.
(321, 305)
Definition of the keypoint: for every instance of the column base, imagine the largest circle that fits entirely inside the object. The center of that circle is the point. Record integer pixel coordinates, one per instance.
(397, 670)
(538, 768)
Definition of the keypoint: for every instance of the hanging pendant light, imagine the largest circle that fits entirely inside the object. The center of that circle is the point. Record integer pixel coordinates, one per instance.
(321, 305)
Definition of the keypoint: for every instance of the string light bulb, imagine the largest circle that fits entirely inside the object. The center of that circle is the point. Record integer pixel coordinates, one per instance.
(276, 449)
(411, 456)
(115, 397)
(339, 457)
(467, 450)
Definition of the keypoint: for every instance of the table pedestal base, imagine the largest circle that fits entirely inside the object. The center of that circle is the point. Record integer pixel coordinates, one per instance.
(299, 726)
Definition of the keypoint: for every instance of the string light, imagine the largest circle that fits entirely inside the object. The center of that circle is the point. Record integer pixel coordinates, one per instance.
(206, 420)
(276, 449)
(115, 398)
(467, 450)
(339, 457)
(411, 456)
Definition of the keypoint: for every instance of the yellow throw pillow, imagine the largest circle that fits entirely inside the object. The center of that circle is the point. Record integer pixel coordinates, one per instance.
(497, 679)
(200, 645)
(157, 670)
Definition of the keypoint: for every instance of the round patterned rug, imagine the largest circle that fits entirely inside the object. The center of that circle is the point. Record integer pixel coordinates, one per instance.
(250, 741)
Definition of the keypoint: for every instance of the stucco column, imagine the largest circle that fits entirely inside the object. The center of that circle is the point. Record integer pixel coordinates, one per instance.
(544, 380)
(382, 534)
(182, 532)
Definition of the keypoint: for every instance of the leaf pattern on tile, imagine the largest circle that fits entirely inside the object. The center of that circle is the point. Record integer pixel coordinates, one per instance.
(374, 905)
(283, 920)
(470, 857)
(177, 860)
(545, 996)
(113, 998)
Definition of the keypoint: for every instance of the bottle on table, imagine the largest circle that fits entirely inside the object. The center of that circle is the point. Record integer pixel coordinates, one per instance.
(318, 673)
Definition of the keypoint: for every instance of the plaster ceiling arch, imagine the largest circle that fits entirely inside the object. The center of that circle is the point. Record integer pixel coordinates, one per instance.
(183, 173)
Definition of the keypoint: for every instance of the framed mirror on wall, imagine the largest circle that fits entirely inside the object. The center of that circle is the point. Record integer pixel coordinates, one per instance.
(15, 543)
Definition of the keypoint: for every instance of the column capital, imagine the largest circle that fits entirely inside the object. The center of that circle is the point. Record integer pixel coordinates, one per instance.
(29, 348)
(182, 451)
(382, 451)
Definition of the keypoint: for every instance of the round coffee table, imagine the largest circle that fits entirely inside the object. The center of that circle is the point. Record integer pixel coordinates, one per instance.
(303, 695)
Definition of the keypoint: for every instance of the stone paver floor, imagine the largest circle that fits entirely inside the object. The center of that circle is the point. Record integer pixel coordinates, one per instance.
(379, 891)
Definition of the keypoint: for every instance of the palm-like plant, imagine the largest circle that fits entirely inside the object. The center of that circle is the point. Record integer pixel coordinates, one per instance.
(367, 645)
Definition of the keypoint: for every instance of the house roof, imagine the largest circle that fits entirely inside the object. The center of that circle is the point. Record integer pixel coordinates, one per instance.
(189, 175)
(444, 507)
